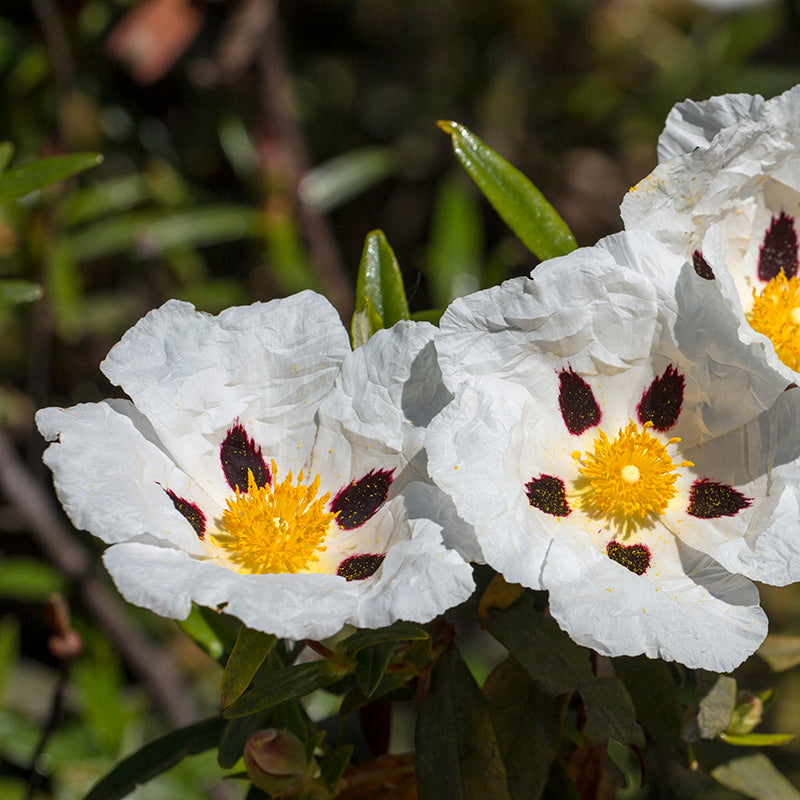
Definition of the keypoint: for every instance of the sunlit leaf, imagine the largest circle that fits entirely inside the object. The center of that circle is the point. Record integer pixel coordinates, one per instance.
(755, 776)
(457, 755)
(249, 652)
(380, 280)
(758, 739)
(521, 205)
(157, 757)
(527, 722)
(19, 181)
(365, 322)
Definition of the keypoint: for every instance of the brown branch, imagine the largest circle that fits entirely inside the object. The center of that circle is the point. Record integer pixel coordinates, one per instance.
(149, 663)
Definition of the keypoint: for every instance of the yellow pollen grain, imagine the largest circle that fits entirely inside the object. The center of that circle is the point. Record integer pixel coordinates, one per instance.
(274, 529)
(776, 314)
(627, 478)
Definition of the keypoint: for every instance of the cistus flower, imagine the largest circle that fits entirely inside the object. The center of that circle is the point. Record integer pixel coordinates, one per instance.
(727, 195)
(613, 441)
(262, 468)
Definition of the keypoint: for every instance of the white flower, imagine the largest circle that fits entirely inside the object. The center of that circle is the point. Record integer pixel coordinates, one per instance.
(727, 195)
(265, 469)
(613, 441)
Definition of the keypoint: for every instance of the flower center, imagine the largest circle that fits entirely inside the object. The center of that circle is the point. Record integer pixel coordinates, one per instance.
(278, 528)
(776, 314)
(631, 476)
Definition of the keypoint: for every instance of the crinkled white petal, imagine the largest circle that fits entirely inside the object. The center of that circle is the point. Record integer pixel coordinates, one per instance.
(267, 365)
(111, 474)
(700, 615)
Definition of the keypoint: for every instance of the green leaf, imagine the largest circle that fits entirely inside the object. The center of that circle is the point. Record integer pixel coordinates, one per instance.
(28, 579)
(346, 176)
(457, 754)
(396, 632)
(521, 205)
(454, 256)
(758, 739)
(559, 665)
(755, 776)
(23, 180)
(380, 281)
(13, 292)
(528, 724)
(6, 152)
(157, 757)
(237, 732)
(780, 651)
(9, 651)
(249, 652)
(365, 322)
(655, 697)
(104, 198)
(197, 628)
(288, 684)
(371, 663)
(432, 315)
(225, 628)
(333, 766)
(716, 707)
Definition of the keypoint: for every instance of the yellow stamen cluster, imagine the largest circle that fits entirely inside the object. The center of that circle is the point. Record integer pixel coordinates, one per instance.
(631, 476)
(776, 314)
(274, 529)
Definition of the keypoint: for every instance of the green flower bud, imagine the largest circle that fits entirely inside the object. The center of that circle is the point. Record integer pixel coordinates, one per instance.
(746, 716)
(276, 761)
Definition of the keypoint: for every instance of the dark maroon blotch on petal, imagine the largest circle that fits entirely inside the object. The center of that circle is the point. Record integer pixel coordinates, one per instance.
(576, 400)
(709, 500)
(662, 401)
(701, 266)
(194, 516)
(359, 500)
(239, 454)
(547, 494)
(779, 251)
(635, 557)
(357, 568)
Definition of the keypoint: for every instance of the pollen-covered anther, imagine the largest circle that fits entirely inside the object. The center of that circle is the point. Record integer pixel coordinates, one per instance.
(274, 529)
(776, 314)
(631, 476)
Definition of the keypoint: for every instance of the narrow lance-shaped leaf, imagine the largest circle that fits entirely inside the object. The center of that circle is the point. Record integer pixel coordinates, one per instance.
(458, 757)
(157, 757)
(521, 205)
(397, 632)
(249, 652)
(19, 181)
(365, 322)
(380, 280)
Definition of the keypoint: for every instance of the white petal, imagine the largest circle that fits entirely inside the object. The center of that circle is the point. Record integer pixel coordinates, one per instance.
(111, 475)
(700, 615)
(193, 375)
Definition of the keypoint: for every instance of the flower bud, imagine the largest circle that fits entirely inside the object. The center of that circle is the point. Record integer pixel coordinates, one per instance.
(747, 714)
(275, 760)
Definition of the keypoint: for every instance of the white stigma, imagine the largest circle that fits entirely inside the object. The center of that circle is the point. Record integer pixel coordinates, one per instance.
(630, 474)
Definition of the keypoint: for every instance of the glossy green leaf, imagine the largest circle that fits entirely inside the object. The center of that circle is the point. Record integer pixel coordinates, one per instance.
(28, 579)
(780, 651)
(198, 629)
(457, 754)
(396, 632)
(758, 739)
(371, 663)
(755, 776)
(288, 684)
(716, 707)
(346, 176)
(527, 722)
(521, 205)
(19, 181)
(157, 757)
(13, 292)
(651, 687)
(380, 280)
(249, 652)
(454, 255)
(559, 665)
(365, 322)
